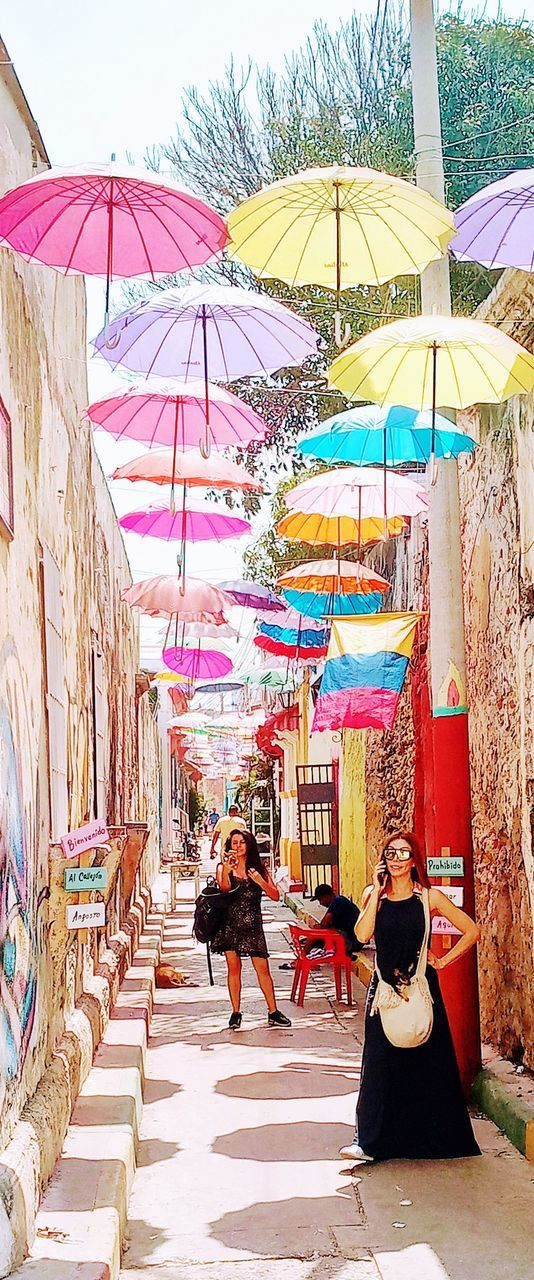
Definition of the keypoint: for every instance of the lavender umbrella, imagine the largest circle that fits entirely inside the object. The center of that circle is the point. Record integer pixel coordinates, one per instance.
(207, 331)
(250, 595)
(496, 226)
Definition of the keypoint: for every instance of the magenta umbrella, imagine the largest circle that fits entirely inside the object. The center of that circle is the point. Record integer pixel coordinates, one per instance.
(197, 664)
(109, 220)
(195, 524)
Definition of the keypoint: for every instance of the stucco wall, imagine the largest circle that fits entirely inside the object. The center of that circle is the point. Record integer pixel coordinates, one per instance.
(497, 497)
(61, 502)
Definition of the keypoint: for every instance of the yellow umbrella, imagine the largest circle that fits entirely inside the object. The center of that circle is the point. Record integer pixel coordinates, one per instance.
(337, 531)
(339, 227)
(434, 361)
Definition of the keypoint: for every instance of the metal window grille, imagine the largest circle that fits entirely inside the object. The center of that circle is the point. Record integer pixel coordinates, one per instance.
(317, 808)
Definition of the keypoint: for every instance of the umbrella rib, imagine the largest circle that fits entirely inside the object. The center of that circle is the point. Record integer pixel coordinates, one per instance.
(56, 219)
(194, 231)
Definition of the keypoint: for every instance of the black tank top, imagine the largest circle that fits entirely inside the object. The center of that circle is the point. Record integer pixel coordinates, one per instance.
(399, 933)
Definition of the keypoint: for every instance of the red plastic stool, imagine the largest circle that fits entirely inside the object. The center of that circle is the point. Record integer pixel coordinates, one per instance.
(336, 955)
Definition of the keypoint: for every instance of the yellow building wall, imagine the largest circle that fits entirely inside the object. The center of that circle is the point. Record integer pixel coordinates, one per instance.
(352, 854)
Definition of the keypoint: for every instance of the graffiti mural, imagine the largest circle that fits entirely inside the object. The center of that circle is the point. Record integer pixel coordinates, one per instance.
(18, 911)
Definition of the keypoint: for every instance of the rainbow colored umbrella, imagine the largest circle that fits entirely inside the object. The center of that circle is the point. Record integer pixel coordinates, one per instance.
(292, 650)
(320, 588)
(368, 435)
(109, 220)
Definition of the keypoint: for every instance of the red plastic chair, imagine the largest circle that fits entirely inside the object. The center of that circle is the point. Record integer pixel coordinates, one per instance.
(336, 955)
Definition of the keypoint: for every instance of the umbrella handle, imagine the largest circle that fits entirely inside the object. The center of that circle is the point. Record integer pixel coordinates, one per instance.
(341, 337)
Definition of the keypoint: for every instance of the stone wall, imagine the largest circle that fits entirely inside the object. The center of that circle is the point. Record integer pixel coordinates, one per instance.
(61, 507)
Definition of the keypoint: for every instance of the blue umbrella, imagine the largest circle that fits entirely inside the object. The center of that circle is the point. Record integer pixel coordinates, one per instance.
(333, 603)
(373, 435)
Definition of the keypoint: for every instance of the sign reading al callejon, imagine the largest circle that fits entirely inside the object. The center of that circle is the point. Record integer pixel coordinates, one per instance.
(86, 837)
(83, 879)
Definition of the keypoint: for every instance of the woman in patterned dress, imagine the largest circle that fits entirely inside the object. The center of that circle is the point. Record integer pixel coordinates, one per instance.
(241, 932)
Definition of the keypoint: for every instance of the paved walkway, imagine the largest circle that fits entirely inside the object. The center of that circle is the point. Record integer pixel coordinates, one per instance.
(238, 1174)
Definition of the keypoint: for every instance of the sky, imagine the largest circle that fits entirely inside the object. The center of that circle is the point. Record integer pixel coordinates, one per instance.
(107, 77)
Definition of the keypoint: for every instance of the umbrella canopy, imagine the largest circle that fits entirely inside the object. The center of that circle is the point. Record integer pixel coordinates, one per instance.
(109, 220)
(204, 631)
(431, 361)
(208, 331)
(306, 635)
(339, 227)
(287, 649)
(198, 524)
(197, 664)
(268, 679)
(174, 413)
(186, 599)
(337, 531)
(370, 435)
(340, 576)
(333, 604)
(251, 595)
(225, 686)
(345, 491)
(495, 226)
(190, 468)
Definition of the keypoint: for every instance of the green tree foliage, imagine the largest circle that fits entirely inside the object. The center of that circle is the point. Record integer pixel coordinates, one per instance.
(345, 97)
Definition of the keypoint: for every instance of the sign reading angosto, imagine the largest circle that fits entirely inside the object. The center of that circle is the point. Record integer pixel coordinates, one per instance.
(86, 915)
(86, 837)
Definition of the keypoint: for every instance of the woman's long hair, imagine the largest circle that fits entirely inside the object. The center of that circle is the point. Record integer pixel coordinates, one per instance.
(253, 860)
(418, 871)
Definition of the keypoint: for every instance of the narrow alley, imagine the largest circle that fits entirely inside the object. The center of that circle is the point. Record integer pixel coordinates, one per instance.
(237, 1164)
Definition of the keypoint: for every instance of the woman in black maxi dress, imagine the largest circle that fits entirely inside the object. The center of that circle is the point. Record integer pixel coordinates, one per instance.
(411, 1103)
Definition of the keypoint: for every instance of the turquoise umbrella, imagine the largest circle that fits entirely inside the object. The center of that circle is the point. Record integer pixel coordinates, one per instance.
(320, 604)
(370, 435)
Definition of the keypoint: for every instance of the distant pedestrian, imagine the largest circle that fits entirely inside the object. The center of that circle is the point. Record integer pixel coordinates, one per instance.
(212, 820)
(241, 932)
(224, 826)
(341, 914)
(411, 1105)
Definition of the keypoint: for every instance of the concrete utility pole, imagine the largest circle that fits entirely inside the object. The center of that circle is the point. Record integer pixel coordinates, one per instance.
(450, 786)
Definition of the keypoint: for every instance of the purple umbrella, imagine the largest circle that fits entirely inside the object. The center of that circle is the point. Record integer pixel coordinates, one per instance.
(207, 331)
(496, 226)
(250, 595)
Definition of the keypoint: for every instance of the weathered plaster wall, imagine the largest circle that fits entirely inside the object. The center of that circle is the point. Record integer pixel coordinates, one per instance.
(497, 497)
(61, 502)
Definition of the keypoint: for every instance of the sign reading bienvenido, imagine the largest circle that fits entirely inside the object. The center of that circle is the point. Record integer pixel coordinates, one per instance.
(83, 879)
(84, 838)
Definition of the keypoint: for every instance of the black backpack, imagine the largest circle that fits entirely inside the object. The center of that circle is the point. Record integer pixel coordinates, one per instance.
(210, 909)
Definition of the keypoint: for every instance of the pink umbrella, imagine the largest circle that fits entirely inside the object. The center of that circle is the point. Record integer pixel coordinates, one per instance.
(174, 413)
(186, 599)
(199, 524)
(162, 466)
(108, 220)
(197, 664)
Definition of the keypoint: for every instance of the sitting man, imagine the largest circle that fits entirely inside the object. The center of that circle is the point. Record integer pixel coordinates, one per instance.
(341, 914)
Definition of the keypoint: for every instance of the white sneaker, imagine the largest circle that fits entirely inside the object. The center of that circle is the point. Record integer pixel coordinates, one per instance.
(354, 1152)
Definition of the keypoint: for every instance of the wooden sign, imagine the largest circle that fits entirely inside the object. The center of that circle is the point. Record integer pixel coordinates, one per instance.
(445, 866)
(86, 915)
(454, 892)
(441, 925)
(83, 879)
(86, 837)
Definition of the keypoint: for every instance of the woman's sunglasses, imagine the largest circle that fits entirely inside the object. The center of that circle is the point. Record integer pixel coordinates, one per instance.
(398, 855)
